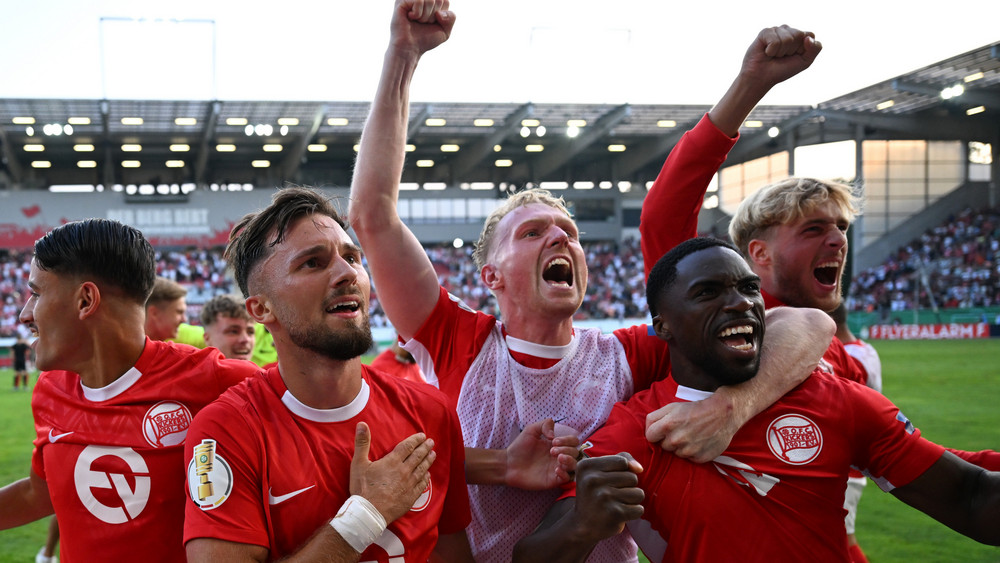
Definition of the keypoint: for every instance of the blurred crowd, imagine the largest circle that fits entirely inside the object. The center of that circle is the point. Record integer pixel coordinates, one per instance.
(952, 265)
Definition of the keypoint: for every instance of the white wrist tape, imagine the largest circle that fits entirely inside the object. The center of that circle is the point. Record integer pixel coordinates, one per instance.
(358, 523)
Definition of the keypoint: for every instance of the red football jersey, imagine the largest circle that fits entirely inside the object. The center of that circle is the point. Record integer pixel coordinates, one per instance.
(777, 492)
(112, 457)
(387, 362)
(265, 469)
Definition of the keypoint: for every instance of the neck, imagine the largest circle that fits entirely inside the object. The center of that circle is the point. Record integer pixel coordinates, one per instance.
(846, 336)
(536, 329)
(318, 381)
(689, 375)
(110, 351)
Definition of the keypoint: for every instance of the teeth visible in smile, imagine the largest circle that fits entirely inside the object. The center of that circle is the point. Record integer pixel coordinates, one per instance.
(831, 264)
(349, 305)
(745, 329)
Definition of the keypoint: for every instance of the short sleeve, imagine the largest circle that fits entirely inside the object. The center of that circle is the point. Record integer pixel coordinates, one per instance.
(233, 509)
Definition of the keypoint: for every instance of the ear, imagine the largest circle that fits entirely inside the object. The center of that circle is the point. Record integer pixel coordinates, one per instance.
(259, 309)
(88, 300)
(760, 253)
(491, 277)
(662, 329)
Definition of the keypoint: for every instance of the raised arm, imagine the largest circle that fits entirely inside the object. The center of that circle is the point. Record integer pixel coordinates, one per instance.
(777, 54)
(793, 345)
(958, 494)
(406, 280)
(670, 211)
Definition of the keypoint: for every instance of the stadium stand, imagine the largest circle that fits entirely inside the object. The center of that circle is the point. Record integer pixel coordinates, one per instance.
(952, 265)
(615, 290)
(955, 265)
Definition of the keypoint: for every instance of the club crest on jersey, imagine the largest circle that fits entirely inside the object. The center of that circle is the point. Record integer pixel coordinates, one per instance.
(166, 424)
(794, 439)
(424, 500)
(209, 477)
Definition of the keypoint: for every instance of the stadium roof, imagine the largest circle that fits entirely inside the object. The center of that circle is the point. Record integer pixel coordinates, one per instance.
(271, 142)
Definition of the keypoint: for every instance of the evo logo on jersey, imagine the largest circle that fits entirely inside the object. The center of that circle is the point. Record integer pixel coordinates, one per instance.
(166, 424)
(745, 475)
(392, 546)
(794, 439)
(86, 478)
(209, 477)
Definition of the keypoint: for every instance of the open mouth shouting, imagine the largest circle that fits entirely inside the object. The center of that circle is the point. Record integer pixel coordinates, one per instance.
(827, 272)
(739, 338)
(349, 305)
(558, 272)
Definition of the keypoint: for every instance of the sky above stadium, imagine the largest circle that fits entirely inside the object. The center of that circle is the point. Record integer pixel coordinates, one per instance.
(579, 51)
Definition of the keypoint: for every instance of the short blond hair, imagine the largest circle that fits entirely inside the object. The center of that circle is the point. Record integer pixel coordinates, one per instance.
(514, 201)
(787, 201)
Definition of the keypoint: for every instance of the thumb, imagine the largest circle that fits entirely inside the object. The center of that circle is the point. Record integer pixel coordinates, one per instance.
(362, 444)
(633, 465)
(446, 19)
(813, 48)
(548, 428)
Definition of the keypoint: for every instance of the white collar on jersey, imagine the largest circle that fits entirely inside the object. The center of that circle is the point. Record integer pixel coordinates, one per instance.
(692, 394)
(113, 389)
(538, 350)
(338, 414)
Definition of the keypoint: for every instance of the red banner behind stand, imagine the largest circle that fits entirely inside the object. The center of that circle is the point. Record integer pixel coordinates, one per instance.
(953, 331)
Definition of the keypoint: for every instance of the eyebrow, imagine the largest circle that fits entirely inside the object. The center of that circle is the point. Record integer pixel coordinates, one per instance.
(715, 281)
(351, 247)
(309, 251)
(348, 247)
(827, 220)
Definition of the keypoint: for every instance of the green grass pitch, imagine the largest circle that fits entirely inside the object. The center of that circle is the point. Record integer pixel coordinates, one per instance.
(949, 389)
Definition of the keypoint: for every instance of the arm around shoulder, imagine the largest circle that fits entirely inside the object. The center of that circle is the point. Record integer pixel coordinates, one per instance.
(794, 342)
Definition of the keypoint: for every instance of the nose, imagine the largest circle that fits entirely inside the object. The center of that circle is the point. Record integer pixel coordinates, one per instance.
(342, 272)
(736, 301)
(837, 238)
(559, 236)
(27, 313)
